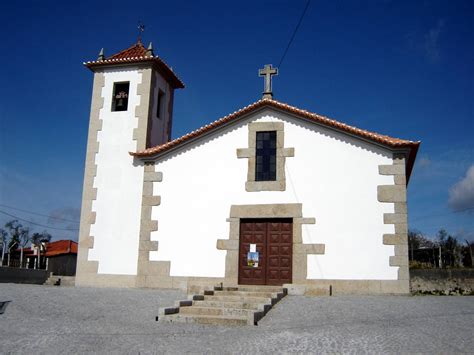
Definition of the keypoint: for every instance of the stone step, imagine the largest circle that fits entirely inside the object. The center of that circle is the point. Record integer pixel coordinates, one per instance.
(68, 280)
(51, 280)
(185, 303)
(249, 294)
(206, 319)
(240, 305)
(225, 305)
(247, 299)
(210, 311)
(215, 311)
(251, 288)
(163, 311)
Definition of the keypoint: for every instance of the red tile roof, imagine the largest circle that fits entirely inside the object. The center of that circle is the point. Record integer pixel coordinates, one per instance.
(58, 247)
(137, 50)
(61, 247)
(390, 142)
(137, 54)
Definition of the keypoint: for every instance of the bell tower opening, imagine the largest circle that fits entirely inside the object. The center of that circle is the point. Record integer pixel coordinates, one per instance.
(120, 96)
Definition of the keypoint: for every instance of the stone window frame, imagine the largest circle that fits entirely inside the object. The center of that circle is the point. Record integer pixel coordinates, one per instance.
(251, 185)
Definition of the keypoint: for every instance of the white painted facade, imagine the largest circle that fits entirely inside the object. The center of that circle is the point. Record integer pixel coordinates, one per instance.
(118, 181)
(333, 175)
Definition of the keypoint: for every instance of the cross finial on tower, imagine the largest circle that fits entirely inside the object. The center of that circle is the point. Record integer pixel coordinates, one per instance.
(268, 72)
(101, 56)
(141, 29)
(149, 50)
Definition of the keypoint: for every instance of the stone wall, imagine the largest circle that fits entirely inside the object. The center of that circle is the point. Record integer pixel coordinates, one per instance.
(22, 276)
(441, 280)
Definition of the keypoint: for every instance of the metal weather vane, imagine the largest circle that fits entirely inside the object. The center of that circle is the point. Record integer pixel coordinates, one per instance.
(141, 29)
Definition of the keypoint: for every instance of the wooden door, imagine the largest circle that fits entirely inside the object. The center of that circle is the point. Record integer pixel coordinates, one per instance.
(274, 243)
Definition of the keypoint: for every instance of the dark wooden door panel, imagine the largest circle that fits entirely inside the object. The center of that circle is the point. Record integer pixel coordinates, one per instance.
(274, 242)
(252, 232)
(280, 251)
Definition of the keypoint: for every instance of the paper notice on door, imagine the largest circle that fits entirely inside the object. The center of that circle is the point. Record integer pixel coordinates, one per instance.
(253, 248)
(252, 259)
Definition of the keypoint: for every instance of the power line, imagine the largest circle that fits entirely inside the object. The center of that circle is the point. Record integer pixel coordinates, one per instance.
(443, 214)
(39, 214)
(447, 224)
(37, 224)
(294, 33)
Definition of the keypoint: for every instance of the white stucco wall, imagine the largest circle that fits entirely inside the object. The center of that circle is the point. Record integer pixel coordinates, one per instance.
(334, 176)
(119, 183)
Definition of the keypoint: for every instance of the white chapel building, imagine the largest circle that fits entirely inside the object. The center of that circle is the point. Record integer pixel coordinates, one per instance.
(270, 194)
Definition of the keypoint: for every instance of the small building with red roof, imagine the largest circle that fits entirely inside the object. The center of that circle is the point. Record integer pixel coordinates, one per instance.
(270, 194)
(61, 257)
(58, 257)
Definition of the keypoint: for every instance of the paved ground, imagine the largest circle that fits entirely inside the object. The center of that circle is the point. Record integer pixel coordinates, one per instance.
(52, 319)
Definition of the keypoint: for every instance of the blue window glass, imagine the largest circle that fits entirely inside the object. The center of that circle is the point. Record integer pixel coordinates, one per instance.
(265, 164)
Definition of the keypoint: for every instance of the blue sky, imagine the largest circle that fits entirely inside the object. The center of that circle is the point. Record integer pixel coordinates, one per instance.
(402, 68)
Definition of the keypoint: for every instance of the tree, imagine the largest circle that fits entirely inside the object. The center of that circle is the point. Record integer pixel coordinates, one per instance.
(15, 230)
(19, 237)
(450, 249)
(442, 235)
(468, 252)
(3, 242)
(38, 240)
(24, 239)
(446, 250)
(416, 240)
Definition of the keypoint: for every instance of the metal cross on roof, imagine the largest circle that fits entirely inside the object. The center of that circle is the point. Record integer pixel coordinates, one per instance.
(268, 72)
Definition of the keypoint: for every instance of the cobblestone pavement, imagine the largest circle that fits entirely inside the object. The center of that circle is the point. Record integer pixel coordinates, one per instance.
(53, 320)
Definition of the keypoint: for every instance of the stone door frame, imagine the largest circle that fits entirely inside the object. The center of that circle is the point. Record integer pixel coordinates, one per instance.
(300, 250)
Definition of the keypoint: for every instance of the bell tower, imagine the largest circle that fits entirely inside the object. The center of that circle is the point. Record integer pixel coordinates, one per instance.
(156, 90)
(131, 110)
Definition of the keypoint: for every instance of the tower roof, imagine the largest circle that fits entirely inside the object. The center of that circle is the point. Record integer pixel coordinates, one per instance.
(137, 50)
(137, 53)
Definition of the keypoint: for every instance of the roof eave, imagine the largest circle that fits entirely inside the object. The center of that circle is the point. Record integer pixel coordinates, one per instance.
(410, 163)
(154, 61)
(408, 148)
(155, 156)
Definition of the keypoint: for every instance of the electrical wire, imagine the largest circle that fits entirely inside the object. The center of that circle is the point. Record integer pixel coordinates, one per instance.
(39, 214)
(294, 33)
(38, 224)
(290, 180)
(442, 214)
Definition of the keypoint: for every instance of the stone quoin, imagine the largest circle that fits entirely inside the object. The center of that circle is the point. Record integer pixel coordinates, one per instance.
(270, 193)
